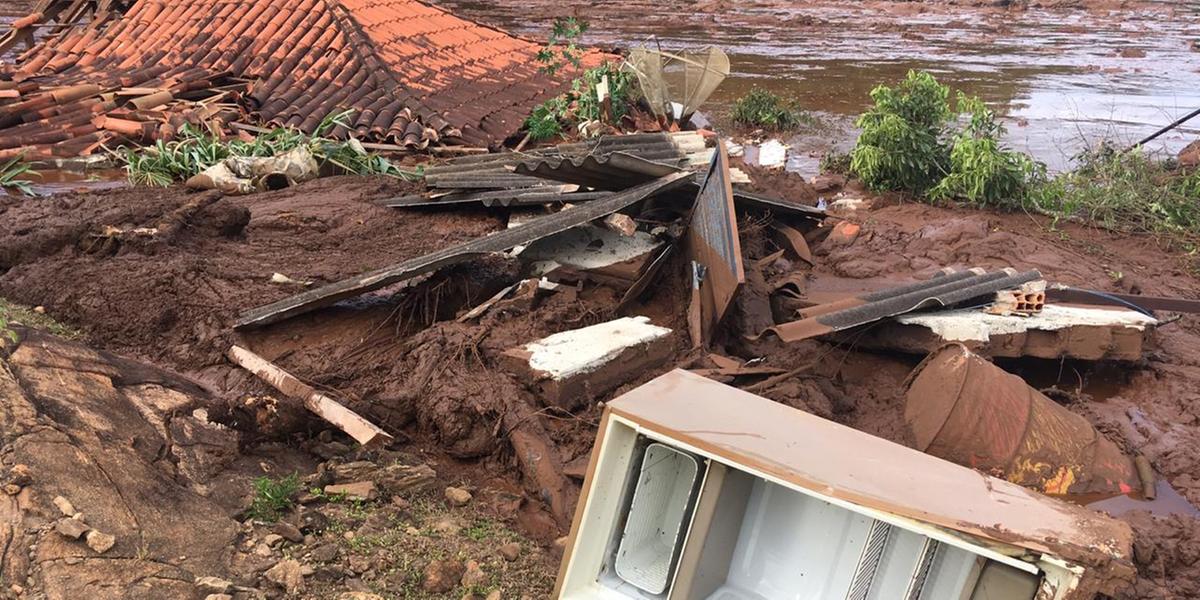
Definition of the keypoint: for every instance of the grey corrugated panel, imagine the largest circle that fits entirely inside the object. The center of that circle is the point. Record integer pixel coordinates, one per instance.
(496, 242)
(489, 180)
(615, 171)
(656, 151)
(951, 292)
(496, 198)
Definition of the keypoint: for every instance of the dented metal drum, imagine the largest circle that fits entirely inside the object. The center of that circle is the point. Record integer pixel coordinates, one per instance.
(963, 408)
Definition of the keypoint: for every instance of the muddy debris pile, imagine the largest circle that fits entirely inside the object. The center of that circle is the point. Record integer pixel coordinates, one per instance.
(378, 389)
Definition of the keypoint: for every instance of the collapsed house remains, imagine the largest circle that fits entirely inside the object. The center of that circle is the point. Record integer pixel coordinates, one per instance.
(541, 263)
(411, 74)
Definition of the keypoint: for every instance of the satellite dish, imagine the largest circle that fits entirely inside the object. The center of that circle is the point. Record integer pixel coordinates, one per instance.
(675, 84)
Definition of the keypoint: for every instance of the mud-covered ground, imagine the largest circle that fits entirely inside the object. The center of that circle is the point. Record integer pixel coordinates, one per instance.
(400, 358)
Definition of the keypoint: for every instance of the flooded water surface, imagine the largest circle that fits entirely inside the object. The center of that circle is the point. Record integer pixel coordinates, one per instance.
(1062, 79)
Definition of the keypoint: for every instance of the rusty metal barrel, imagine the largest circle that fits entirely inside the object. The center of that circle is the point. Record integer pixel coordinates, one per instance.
(964, 409)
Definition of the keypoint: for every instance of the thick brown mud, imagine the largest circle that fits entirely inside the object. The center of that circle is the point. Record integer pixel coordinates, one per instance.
(399, 357)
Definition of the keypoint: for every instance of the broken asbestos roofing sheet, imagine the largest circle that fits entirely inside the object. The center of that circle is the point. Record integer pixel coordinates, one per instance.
(945, 290)
(499, 241)
(806, 451)
(412, 73)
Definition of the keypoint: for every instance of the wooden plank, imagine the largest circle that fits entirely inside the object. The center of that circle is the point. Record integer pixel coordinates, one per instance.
(362, 430)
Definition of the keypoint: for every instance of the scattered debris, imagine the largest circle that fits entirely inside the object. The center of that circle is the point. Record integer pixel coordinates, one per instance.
(497, 242)
(1055, 332)
(246, 175)
(362, 430)
(966, 410)
(572, 366)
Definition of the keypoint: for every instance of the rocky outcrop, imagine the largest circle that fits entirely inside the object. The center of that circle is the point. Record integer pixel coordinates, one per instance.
(129, 449)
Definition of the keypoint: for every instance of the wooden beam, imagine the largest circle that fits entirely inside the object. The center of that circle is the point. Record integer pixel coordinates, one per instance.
(362, 430)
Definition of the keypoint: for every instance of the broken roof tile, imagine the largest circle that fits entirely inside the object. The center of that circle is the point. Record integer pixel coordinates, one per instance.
(411, 72)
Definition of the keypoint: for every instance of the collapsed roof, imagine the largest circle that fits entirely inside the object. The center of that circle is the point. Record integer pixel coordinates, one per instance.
(411, 73)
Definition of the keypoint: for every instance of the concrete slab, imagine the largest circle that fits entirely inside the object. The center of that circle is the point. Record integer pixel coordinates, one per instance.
(571, 367)
(1058, 331)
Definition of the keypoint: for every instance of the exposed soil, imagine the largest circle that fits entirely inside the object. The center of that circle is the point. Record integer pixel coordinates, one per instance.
(400, 358)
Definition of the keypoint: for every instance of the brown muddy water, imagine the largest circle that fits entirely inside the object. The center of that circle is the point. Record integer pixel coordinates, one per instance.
(1062, 79)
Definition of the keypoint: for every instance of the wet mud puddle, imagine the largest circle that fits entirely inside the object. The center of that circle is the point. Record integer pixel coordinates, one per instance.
(1167, 501)
(1061, 79)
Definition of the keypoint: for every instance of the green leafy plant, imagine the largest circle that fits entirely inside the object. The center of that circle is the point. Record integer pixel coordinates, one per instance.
(835, 162)
(273, 497)
(1125, 191)
(581, 104)
(902, 145)
(545, 121)
(560, 49)
(14, 174)
(195, 150)
(760, 108)
(982, 170)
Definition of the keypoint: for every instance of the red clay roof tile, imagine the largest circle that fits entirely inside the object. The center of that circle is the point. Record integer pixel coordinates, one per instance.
(411, 72)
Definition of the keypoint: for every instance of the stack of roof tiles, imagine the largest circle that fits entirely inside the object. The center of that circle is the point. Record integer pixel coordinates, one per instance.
(411, 73)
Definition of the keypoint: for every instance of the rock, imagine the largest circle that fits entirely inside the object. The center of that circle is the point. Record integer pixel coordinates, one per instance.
(213, 585)
(474, 575)
(272, 539)
(442, 575)
(362, 490)
(324, 553)
(359, 564)
(287, 574)
(827, 182)
(72, 528)
(622, 224)
(100, 542)
(313, 521)
(218, 597)
(64, 506)
(12, 489)
(20, 474)
(457, 496)
(288, 532)
(510, 551)
(561, 543)
(495, 595)
(358, 596)
(17, 589)
(393, 479)
(447, 526)
(843, 234)
(263, 550)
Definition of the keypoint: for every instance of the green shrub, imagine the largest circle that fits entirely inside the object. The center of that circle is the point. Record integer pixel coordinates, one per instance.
(766, 110)
(902, 145)
(982, 170)
(273, 497)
